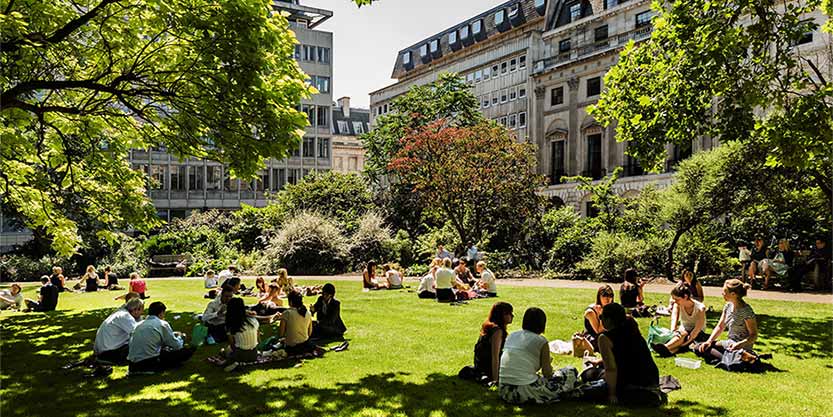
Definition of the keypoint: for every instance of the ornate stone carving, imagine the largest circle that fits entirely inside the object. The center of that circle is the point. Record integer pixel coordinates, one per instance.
(573, 83)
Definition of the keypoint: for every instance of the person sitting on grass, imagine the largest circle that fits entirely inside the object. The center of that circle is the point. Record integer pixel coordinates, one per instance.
(328, 313)
(688, 322)
(369, 281)
(392, 277)
(214, 316)
(630, 293)
(154, 346)
(489, 345)
(487, 283)
(12, 298)
(242, 330)
(631, 376)
(526, 352)
(426, 287)
(593, 326)
(234, 283)
(48, 298)
(270, 303)
(738, 318)
(463, 273)
(90, 279)
(296, 327)
(211, 280)
(57, 279)
(227, 273)
(112, 339)
(137, 285)
(111, 280)
(260, 289)
(694, 285)
(444, 282)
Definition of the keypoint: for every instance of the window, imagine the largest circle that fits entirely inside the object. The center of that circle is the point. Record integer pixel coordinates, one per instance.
(500, 17)
(540, 3)
(230, 184)
(178, 177)
(522, 119)
(158, 174)
(423, 50)
(557, 96)
(513, 121)
(502, 121)
(213, 178)
(513, 64)
(487, 72)
(503, 96)
(342, 127)
(521, 92)
(322, 84)
(494, 70)
(477, 27)
(557, 162)
(594, 86)
(323, 116)
(644, 18)
(435, 45)
(600, 34)
(513, 94)
(504, 67)
(522, 62)
(805, 38)
(478, 76)
(594, 156)
(386, 108)
(278, 178)
(485, 102)
(575, 11)
(513, 11)
(309, 147)
(323, 147)
(464, 32)
(358, 127)
(564, 46)
(298, 53)
(470, 77)
(406, 58)
(323, 55)
(309, 51)
(452, 37)
(195, 178)
(494, 99)
(293, 176)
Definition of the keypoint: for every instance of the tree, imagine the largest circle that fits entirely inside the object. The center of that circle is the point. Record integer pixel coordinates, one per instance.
(478, 177)
(85, 81)
(342, 197)
(603, 197)
(728, 70)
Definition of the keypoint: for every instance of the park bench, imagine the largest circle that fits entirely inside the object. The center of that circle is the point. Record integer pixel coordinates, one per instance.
(168, 265)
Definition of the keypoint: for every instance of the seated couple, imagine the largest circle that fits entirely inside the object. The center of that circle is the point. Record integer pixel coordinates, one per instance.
(93, 283)
(392, 280)
(443, 283)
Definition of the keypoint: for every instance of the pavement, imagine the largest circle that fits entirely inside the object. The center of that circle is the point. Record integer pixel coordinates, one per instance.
(665, 289)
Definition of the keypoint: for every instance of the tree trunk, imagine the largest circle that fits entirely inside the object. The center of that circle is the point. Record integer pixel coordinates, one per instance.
(669, 263)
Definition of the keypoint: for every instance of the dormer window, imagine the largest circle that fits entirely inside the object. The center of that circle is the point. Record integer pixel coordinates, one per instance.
(423, 50)
(477, 27)
(575, 12)
(513, 11)
(406, 58)
(500, 17)
(435, 45)
(464, 32)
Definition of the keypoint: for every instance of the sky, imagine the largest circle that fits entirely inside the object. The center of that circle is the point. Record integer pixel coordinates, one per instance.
(367, 39)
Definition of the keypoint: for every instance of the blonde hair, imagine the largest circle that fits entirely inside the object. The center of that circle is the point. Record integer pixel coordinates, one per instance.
(481, 264)
(134, 275)
(736, 286)
(210, 272)
(437, 262)
(786, 243)
(90, 269)
(447, 262)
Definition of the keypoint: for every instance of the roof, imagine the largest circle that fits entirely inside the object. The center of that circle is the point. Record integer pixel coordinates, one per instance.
(356, 115)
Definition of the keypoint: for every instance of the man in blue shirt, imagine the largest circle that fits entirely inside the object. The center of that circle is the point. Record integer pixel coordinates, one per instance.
(154, 346)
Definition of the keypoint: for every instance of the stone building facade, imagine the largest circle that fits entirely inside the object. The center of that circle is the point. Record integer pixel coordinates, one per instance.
(348, 124)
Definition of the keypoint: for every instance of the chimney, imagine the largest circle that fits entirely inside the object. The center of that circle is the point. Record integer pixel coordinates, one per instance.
(344, 103)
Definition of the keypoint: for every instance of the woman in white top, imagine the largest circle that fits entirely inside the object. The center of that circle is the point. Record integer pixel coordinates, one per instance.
(393, 277)
(444, 281)
(688, 321)
(426, 287)
(524, 354)
(487, 281)
(242, 331)
(296, 326)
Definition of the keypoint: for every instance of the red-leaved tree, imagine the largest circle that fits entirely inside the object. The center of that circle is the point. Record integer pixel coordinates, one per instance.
(478, 177)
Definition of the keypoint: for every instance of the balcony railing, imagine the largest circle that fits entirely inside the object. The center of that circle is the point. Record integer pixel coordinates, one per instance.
(555, 177)
(595, 174)
(632, 170)
(590, 48)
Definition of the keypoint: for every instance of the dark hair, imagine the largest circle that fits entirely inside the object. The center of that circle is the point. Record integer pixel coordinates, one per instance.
(682, 290)
(260, 283)
(615, 314)
(499, 310)
(297, 300)
(44, 279)
(693, 278)
(370, 265)
(156, 308)
(234, 281)
(630, 276)
(236, 316)
(227, 289)
(329, 289)
(535, 320)
(604, 290)
(107, 269)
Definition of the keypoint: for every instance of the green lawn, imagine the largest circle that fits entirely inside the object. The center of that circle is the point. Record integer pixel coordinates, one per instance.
(403, 360)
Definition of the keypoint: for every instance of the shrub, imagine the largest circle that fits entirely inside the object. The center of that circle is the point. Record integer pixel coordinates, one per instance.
(702, 251)
(127, 257)
(372, 241)
(614, 252)
(426, 244)
(402, 248)
(23, 268)
(573, 241)
(306, 244)
(417, 270)
(343, 198)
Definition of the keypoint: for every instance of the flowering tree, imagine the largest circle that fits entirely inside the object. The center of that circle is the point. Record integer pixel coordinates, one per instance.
(477, 177)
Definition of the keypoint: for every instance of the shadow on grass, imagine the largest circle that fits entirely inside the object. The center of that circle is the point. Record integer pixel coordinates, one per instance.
(799, 337)
(35, 346)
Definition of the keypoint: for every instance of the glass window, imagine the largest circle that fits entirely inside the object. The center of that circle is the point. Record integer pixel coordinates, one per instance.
(195, 178)
(504, 67)
(513, 64)
(435, 45)
(557, 162)
(494, 70)
(600, 34)
(464, 32)
(470, 77)
(503, 96)
(478, 76)
(406, 58)
(564, 46)
(278, 178)
(513, 121)
(487, 72)
(358, 127)
(644, 18)
(323, 55)
(452, 37)
(423, 50)
(477, 27)
(485, 101)
(522, 119)
(230, 184)
(500, 17)
(342, 127)
(157, 175)
(594, 156)
(322, 84)
(178, 177)
(298, 53)
(575, 11)
(213, 178)
(522, 62)
(502, 121)
(293, 175)
(805, 38)
(323, 116)
(521, 92)
(513, 10)
(557, 96)
(309, 147)
(540, 3)
(594, 86)
(513, 94)
(323, 147)
(494, 99)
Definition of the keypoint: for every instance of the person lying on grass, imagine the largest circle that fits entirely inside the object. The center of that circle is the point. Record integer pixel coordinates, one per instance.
(688, 322)
(740, 320)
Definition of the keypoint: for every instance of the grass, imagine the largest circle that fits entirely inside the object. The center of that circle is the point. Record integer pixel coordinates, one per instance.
(403, 360)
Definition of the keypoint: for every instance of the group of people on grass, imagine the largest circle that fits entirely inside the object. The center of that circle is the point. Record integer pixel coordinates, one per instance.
(780, 263)
(520, 362)
(446, 282)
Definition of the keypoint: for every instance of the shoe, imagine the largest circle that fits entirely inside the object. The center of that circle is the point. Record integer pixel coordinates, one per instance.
(341, 347)
(661, 350)
(231, 367)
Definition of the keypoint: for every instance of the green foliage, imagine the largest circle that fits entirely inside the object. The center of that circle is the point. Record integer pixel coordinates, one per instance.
(24, 268)
(402, 248)
(705, 253)
(371, 242)
(125, 258)
(306, 244)
(85, 81)
(573, 238)
(426, 244)
(343, 197)
(612, 253)
(603, 197)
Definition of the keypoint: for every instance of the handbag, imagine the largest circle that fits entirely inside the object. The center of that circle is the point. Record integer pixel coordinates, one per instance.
(199, 334)
(581, 345)
(657, 334)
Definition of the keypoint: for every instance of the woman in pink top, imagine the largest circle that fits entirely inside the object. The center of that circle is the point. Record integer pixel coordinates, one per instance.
(137, 285)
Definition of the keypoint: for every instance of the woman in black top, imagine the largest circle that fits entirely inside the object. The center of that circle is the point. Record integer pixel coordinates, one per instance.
(630, 293)
(630, 372)
(592, 322)
(489, 345)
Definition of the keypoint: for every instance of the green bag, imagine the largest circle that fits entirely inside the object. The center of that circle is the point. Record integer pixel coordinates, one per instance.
(658, 334)
(199, 334)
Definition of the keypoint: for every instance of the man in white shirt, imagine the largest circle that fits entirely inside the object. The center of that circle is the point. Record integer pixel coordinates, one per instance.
(154, 346)
(11, 298)
(442, 253)
(214, 316)
(487, 280)
(113, 336)
(227, 273)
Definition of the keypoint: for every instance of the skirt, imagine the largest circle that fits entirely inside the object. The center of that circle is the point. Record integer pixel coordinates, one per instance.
(563, 384)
